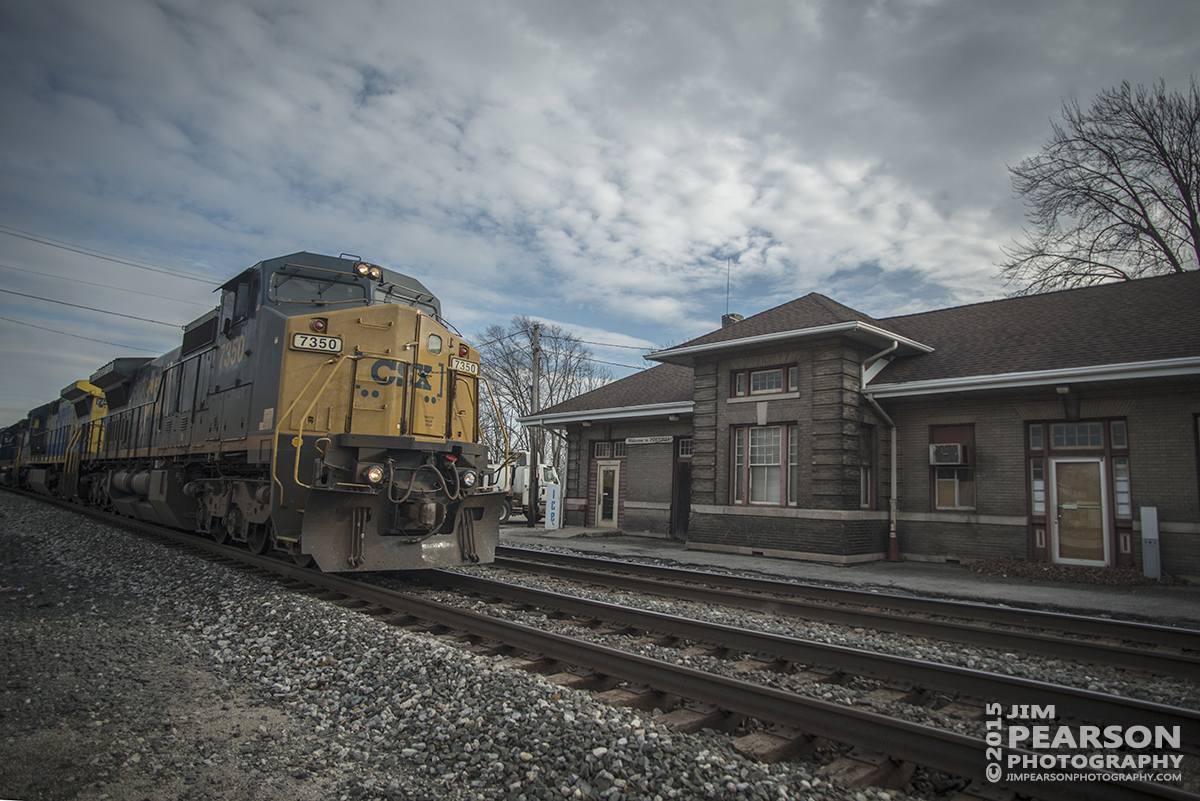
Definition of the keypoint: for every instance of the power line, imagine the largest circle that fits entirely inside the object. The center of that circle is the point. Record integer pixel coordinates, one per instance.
(89, 308)
(602, 344)
(615, 364)
(575, 355)
(97, 254)
(77, 336)
(104, 286)
(483, 345)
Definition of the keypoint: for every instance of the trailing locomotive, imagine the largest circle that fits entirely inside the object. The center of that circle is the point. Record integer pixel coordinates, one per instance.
(322, 410)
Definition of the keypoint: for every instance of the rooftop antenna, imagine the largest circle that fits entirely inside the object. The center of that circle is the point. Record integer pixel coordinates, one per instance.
(728, 319)
(728, 262)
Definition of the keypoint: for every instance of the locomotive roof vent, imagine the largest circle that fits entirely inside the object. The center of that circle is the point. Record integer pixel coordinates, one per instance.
(116, 373)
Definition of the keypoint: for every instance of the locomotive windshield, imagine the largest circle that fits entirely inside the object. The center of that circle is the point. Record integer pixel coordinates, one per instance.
(316, 287)
(405, 296)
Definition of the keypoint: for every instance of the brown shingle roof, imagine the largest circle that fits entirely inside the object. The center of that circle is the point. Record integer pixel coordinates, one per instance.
(1132, 321)
(666, 383)
(811, 311)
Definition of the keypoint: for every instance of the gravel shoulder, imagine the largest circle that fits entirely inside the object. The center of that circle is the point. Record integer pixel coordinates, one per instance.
(133, 672)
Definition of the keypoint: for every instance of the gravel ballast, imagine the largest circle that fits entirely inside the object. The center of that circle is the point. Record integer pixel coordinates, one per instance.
(135, 671)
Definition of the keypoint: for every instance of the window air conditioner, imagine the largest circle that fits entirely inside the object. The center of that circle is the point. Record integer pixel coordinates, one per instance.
(948, 454)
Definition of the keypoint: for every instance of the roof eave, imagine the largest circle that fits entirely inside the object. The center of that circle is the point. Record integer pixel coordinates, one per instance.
(612, 413)
(1162, 368)
(863, 332)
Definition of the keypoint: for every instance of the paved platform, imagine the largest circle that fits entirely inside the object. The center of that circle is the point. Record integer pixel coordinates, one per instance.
(1172, 605)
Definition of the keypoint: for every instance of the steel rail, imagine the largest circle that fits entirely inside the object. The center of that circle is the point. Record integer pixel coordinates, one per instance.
(1103, 628)
(1151, 661)
(1082, 704)
(951, 753)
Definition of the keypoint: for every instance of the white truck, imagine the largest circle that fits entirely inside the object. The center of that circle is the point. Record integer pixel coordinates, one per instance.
(511, 478)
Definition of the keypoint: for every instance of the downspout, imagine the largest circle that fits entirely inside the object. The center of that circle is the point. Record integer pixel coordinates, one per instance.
(893, 554)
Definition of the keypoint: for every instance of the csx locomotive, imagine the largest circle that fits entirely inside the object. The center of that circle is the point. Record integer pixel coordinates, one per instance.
(323, 410)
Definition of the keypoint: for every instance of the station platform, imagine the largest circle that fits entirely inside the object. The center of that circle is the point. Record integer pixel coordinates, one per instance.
(1177, 605)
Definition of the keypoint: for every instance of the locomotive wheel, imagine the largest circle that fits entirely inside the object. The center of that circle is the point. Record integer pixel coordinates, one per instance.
(220, 535)
(259, 539)
(303, 559)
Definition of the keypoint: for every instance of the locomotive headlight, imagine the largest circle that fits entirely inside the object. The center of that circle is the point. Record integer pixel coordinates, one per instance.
(468, 478)
(365, 270)
(318, 325)
(373, 474)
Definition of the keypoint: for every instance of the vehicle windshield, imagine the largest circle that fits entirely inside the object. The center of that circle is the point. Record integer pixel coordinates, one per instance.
(403, 296)
(296, 287)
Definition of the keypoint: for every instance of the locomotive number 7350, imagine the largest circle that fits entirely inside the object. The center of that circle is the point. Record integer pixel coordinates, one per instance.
(315, 342)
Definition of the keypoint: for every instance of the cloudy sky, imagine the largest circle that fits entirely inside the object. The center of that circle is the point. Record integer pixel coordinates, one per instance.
(609, 167)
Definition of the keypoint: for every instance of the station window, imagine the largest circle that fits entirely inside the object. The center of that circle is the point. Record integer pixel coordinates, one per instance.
(610, 450)
(764, 381)
(1077, 435)
(685, 448)
(954, 484)
(1118, 434)
(767, 381)
(866, 467)
(793, 464)
(955, 488)
(1037, 485)
(763, 470)
(1121, 491)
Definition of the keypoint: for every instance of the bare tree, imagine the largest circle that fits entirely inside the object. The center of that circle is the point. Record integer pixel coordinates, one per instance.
(506, 359)
(1114, 194)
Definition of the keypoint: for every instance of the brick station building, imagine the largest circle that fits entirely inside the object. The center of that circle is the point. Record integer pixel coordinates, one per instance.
(1035, 426)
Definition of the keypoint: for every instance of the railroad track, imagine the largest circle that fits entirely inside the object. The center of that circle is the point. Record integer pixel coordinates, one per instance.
(777, 652)
(899, 740)
(1162, 650)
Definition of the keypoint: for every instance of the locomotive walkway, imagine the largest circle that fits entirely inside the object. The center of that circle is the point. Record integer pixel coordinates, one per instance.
(1179, 604)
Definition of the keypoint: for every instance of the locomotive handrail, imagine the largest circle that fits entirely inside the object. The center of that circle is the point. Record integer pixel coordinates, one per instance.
(299, 438)
(73, 458)
(499, 419)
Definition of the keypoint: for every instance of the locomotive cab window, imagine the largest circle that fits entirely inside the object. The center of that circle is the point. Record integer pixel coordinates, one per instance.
(316, 287)
(245, 299)
(239, 302)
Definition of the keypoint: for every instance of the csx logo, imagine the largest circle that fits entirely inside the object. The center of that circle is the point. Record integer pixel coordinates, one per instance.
(380, 370)
(388, 372)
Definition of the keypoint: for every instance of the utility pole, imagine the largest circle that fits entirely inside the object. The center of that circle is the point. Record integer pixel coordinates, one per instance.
(531, 512)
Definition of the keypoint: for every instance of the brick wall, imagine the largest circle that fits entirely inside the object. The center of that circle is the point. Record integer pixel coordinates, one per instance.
(827, 412)
(646, 477)
(704, 424)
(650, 472)
(961, 542)
(1162, 461)
(789, 535)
